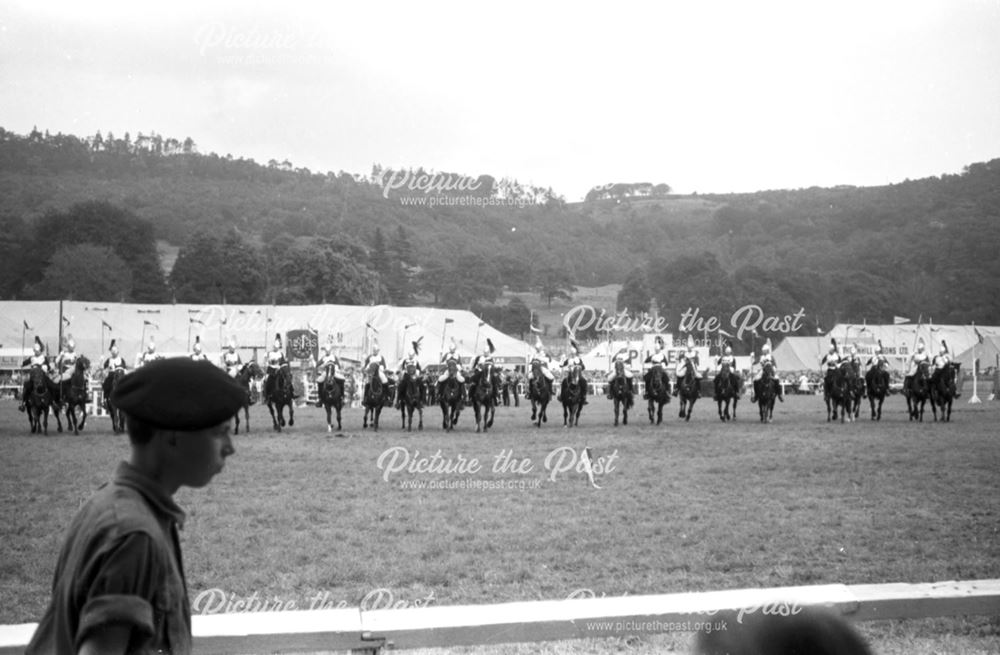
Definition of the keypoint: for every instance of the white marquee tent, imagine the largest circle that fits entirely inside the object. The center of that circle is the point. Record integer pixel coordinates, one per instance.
(351, 330)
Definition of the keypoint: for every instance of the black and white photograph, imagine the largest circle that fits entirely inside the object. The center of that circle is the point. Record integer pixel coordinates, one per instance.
(500, 328)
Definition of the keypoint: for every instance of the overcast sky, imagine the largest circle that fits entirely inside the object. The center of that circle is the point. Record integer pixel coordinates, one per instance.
(705, 96)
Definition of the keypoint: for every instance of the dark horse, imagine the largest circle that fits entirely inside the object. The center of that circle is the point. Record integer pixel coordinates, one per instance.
(688, 390)
(727, 390)
(411, 397)
(765, 391)
(39, 400)
(330, 396)
(855, 389)
(658, 392)
(249, 371)
(541, 394)
(620, 391)
(450, 398)
(483, 398)
(840, 392)
(918, 391)
(375, 397)
(572, 397)
(280, 392)
(877, 382)
(943, 389)
(73, 395)
(109, 385)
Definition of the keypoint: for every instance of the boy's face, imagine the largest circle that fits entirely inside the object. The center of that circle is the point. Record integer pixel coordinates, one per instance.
(200, 455)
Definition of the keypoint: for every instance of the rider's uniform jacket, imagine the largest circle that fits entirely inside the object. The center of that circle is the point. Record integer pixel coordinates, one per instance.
(199, 357)
(231, 361)
(916, 359)
(659, 357)
(482, 360)
(831, 359)
(406, 363)
(325, 361)
(38, 360)
(65, 361)
(572, 360)
(112, 363)
(728, 360)
(373, 358)
(876, 359)
(275, 359)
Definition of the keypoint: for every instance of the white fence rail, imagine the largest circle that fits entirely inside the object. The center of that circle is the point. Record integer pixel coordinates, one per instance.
(429, 627)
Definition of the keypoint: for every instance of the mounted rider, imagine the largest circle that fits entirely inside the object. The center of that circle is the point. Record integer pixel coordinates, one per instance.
(275, 361)
(878, 359)
(446, 359)
(658, 358)
(765, 358)
(690, 357)
(943, 358)
(479, 365)
(727, 359)
(572, 359)
(231, 360)
(66, 360)
(402, 373)
(196, 353)
(831, 360)
(150, 355)
(543, 360)
(329, 359)
(626, 363)
(37, 359)
(114, 361)
(919, 356)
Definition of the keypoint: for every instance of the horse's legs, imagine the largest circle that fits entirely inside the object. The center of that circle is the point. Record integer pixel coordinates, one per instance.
(291, 413)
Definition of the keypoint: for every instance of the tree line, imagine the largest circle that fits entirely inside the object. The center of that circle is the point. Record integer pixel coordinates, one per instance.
(250, 232)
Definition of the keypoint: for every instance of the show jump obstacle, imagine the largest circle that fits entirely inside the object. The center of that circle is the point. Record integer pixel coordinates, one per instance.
(582, 618)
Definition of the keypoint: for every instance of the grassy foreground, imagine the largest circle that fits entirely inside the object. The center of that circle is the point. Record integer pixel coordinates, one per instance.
(311, 519)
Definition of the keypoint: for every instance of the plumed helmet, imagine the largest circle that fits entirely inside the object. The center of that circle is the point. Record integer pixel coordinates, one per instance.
(878, 347)
(152, 345)
(113, 347)
(944, 347)
(375, 348)
(231, 344)
(416, 346)
(833, 345)
(659, 342)
(38, 347)
(277, 341)
(854, 349)
(325, 348)
(197, 344)
(766, 347)
(538, 343)
(920, 344)
(729, 348)
(70, 344)
(452, 346)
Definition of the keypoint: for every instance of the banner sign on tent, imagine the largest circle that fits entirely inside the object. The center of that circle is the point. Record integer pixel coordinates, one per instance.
(302, 344)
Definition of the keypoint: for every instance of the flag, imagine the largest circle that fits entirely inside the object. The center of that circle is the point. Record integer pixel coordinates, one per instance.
(449, 320)
(899, 320)
(105, 324)
(26, 326)
(482, 323)
(65, 320)
(151, 323)
(369, 326)
(979, 335)
(196, 320)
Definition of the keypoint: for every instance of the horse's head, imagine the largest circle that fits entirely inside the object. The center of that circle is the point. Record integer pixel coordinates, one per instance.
(725, 370)
(619, 367)
(536, 369)
(411, 370)
(923, 370)
(452, 368)
(767, 371)
(82, 364)
(574, 374)
(37, 377)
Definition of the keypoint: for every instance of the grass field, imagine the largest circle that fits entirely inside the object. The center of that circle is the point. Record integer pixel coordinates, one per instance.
(311, 518)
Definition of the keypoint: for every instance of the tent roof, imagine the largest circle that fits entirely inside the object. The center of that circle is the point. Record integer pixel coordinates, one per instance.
(799, 353)
(986, 352)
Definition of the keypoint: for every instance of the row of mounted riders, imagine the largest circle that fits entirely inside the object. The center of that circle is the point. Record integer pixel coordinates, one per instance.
(843, 388)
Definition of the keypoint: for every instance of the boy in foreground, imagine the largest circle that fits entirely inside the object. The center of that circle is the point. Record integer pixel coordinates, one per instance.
(119, 583)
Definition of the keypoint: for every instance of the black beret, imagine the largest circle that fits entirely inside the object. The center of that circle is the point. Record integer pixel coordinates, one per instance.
(179, 393)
